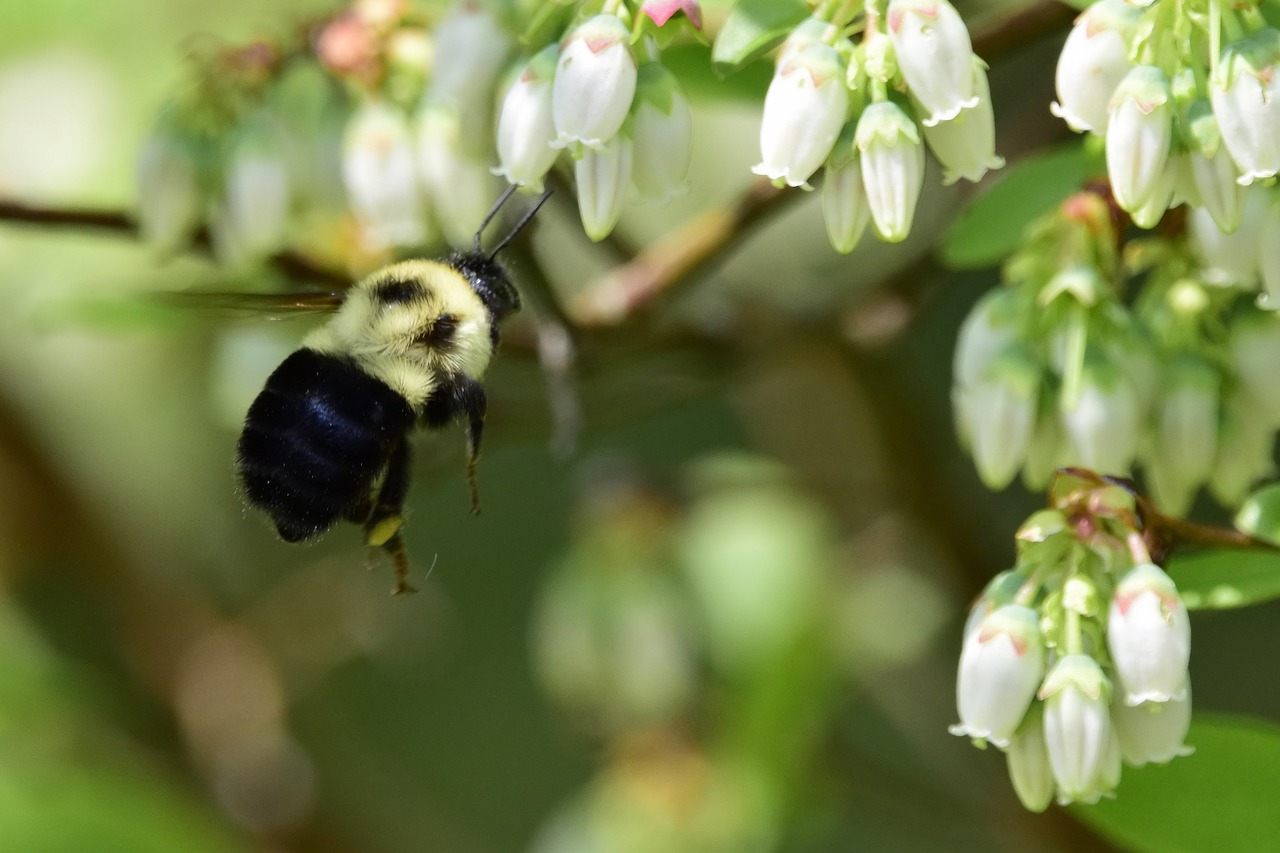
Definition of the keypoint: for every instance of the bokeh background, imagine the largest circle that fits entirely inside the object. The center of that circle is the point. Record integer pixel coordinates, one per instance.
(727, 620)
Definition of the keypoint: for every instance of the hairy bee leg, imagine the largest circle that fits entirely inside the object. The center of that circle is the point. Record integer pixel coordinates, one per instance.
(399, 564)
(474, 403)
(384, 518)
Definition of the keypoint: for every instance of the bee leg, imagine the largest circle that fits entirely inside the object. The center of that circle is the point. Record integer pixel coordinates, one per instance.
(473, 402)
(386, 515)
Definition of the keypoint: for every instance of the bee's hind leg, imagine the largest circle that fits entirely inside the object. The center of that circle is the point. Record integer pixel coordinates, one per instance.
(384, 518)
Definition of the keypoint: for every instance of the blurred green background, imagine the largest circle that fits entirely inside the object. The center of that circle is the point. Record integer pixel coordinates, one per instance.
(728, 621)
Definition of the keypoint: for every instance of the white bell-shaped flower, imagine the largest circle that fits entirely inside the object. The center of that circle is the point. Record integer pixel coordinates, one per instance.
(170, 199)
(1077, 728)
(1029, 769)
(460, 185)
(1246, 100)
(988, 329)
(1001, 666)
(935, 56)
(594, 85)
(526, 132)
(381, 177)
(844, 204)
(470, 49)
(1229, 259)
(804, 109)
(966, 145)
(1094, 59)
(1153, 732)
(662, 132)
(1149, 635)
(1254, 342)
(892, 168)
(1186, 434)
(256, 199)
(1246, 448)
(602, 176)
(1213, 173)
(1003, 406)
(1269, 255)
(1103, 425)
(1139, 135)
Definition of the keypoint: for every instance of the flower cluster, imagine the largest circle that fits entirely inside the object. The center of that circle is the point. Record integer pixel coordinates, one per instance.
(625, 123)
(1075, 661)
(866, 111)
(1184, 118)
(1067, 365)
(383, 133)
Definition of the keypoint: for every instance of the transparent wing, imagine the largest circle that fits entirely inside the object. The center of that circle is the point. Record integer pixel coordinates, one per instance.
(243, 304)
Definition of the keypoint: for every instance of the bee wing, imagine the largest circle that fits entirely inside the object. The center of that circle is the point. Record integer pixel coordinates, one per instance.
(268, 304)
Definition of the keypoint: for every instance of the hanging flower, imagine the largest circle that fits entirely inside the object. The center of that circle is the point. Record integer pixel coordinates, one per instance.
(1001, 665)
(892, 168)
(1093, 61)
(526, 132)
(602, 176)
(1149, 635)
(1139, 135)
(1077, 728)
(1246, 100)
(935, 56)
(594, 84)
(804, 109)
(1153, 732)
(662, 132)
(381, 178)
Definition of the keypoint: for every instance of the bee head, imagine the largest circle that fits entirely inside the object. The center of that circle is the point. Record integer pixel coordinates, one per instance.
(489, 280)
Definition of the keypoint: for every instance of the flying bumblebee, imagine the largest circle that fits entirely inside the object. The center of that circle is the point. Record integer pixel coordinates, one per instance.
(327, 438)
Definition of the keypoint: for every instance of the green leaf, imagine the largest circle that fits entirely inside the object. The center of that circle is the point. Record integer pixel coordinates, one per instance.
(1226, 579)
(689, 63)
(1259, 515)
(1222, 798)
(753, 28)
(992, 227)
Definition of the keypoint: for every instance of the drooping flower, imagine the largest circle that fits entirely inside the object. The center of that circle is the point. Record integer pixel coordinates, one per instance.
(1139, 135)
(1002, 408)
(804, 109)
(170, 199)
(460, 184)
(1246, 101)
(966, 145)
(1077, 728)
(470, 47)
(255, 202)
(1093, 61)
(662, 132)
(1028, 760)
(1103, 424)
(1153, 732)
(1213, 172)
(594, 84)
(602, 176)
(844, 205)
(526, 132)
(1001, 665)
(1186, 434)
(892, 168)
(935, 56)
(1149, 636)
(381, 178)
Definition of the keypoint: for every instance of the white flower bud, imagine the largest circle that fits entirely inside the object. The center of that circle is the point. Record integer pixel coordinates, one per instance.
(1186, 434)
(1001, 665)
(1213, 172)
(1229, 260)
(1254, 340)
(1003, 411)
(1153, 732)
(471, 47)
(1246, 446)
(966, 145)
(990, 327)
(461, 186)
(935, 56)
(1047, 452)
(1149, 635)
(525, 129)
(170, 200)
(804, 109)
(381, 179)
(1093, 61)
(844, 205)
(602, 176)
(1139, 134)
(892, 168)
(1077, 728)
(1029, 768)
(1103, 426)
(255, 201)
(662, 133)
(1269, 255)
(594, 84)
(1246, 100)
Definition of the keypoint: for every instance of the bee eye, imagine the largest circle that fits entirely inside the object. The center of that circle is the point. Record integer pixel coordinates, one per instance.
(439, 335)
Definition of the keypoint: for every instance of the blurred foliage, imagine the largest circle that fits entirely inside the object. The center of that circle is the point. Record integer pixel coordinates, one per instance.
(728, 622)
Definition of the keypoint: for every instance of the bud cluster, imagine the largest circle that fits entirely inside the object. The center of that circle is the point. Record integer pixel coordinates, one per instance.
(866, 111)
(1185, 118)
(625, 121)
(1075, 661)
(1105, 356)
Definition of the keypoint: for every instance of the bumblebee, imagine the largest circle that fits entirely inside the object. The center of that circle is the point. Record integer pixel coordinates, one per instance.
(327, 438)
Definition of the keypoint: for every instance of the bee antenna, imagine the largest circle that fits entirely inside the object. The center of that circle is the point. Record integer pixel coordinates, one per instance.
(493, 211)
(506, 241)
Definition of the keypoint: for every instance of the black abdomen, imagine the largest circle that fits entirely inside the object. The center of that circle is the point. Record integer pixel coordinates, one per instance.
(316, 439)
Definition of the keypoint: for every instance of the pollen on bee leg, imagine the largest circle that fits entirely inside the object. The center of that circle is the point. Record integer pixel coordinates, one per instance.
(381, 531)
(394, 546)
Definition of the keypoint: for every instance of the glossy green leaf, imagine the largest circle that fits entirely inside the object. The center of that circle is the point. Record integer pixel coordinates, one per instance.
(1259, 515)
(1226, 579)
(991, 228)
(753, 28)
(690, 65)
(1222, 798)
